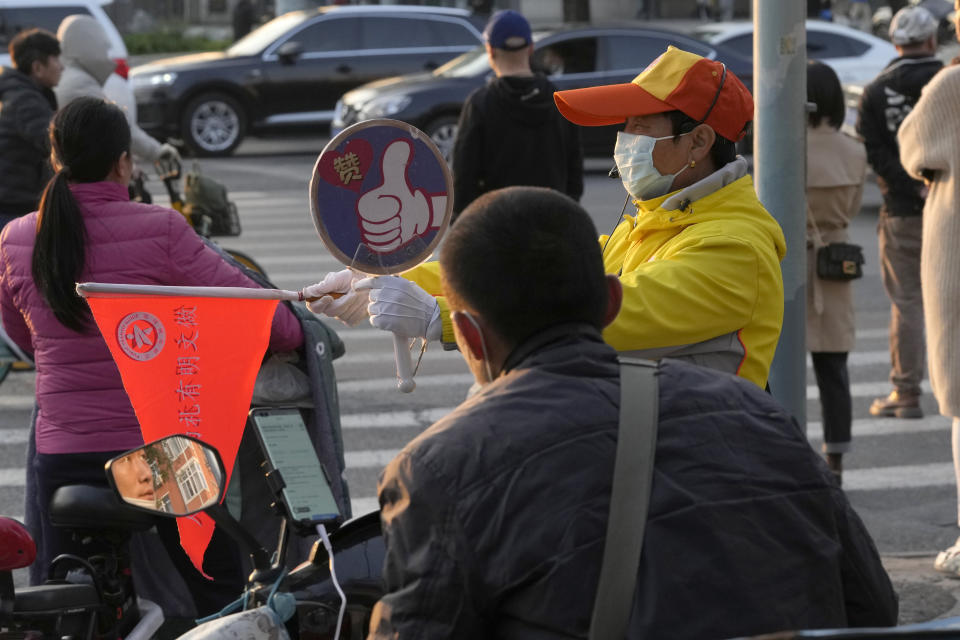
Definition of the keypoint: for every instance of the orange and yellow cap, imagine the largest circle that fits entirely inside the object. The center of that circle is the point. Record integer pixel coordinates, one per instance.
(676, 81)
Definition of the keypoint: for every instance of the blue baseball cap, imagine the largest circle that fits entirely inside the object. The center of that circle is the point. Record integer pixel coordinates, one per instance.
(507, 30)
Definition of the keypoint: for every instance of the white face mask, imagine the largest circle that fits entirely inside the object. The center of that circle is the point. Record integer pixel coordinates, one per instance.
(634, 157)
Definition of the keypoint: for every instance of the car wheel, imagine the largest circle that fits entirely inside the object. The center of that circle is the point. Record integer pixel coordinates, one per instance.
(213, 124)
(443, 131)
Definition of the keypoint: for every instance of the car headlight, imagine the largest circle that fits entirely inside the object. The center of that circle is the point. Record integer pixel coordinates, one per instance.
(386, 106)
(154, 79)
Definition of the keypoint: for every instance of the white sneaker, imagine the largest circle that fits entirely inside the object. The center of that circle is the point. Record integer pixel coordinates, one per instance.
(948, 561)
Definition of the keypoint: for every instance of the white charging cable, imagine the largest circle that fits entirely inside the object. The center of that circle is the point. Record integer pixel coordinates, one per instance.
(322, 531)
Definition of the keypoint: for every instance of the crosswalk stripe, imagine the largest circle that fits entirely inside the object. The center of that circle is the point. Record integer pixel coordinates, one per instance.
(12, 477)
(857, 389)
(372, 357)
(864, 389)
(393, 418)
(863, 428)
(872, 479)
(382, 384)
(384, 420)
(13, 436)
(423, 418)
(361, 506)
(910, 476)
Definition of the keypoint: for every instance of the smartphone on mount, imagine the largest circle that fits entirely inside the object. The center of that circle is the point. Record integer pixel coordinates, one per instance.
(306, 494)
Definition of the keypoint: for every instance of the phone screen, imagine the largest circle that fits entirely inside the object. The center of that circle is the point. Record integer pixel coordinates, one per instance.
(289, 450)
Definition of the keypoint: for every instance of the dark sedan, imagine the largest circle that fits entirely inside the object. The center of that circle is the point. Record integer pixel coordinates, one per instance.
(571, 57)
(290, 71)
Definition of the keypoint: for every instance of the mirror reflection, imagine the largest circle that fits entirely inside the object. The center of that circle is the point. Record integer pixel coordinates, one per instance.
(176, 475)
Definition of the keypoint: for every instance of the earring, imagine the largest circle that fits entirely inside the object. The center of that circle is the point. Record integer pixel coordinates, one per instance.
(693, 163)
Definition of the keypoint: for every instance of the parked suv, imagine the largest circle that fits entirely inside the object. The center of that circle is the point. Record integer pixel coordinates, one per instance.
(17, 15)
(292, 70)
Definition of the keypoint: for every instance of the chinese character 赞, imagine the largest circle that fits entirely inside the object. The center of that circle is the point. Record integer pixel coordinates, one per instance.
(348, 168)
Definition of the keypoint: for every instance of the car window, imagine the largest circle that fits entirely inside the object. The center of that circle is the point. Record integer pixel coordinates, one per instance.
(13, 20)
(821, 44)
(576, 55)
(451, 34)
(467, 65)
(335, 34)
(262, 37)
(742, 44)
(397, 33)
(634, 52)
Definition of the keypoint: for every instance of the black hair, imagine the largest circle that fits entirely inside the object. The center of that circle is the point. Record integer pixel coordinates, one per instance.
(31, 46)
(824, 90)
(722, 152)
(87, 137)
(525, 258)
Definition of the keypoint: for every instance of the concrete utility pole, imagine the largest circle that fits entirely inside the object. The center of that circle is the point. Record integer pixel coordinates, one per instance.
(779, 154)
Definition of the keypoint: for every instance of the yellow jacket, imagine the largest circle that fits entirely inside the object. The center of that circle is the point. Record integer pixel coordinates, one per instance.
(700, 282)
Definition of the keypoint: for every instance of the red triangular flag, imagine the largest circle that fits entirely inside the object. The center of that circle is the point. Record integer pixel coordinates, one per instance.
(188, 364)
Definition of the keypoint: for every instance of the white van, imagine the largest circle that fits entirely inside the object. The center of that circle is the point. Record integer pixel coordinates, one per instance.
(17, 15)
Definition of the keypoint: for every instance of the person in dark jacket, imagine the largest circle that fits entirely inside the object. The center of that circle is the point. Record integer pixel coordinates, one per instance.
(494, 518)
(885, 103)
(27, 103)
(510, 132)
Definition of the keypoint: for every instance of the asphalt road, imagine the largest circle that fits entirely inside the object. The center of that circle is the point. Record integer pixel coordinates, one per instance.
(899, 475)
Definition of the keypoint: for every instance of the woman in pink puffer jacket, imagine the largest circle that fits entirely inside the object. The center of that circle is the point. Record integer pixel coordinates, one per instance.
(88, 230)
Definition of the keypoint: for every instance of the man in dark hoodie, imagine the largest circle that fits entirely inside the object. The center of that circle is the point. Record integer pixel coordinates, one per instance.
(885, 103)
(27, 103)
(510, 133)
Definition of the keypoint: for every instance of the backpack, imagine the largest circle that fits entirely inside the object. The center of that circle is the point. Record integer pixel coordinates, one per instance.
(207, 207)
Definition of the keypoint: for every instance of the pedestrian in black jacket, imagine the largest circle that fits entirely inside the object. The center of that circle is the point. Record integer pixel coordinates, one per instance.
(885, 103)
(510, 132)
(494, 518)
(27, 104)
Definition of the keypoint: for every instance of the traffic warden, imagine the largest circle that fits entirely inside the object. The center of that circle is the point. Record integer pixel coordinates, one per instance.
(699, 263)
(494, 518)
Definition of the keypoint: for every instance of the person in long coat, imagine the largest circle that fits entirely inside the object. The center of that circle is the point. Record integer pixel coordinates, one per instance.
(836, 168)
(929, 141)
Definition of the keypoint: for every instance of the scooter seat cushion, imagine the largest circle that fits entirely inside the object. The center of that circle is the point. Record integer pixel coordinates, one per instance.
(16, 546)
(91, 507)
(55, 598)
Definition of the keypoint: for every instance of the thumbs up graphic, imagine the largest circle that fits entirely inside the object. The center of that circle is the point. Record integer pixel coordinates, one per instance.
(394, 213)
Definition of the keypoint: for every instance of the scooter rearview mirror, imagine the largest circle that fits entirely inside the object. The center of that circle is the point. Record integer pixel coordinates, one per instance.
(175, 476)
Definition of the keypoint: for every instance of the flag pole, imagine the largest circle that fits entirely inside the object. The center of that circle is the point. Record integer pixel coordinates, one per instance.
(86, 288)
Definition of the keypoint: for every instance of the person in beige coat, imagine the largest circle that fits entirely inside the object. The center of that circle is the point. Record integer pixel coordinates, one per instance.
(87, 66)
(836, 168)
(929, 141)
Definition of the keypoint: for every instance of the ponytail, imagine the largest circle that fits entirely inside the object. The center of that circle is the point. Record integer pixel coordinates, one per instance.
(59, 252)
(87, 138)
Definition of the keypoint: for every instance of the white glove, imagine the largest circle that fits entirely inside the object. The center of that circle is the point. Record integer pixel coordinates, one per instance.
(168, 152)
(400, 306)
(350, 308)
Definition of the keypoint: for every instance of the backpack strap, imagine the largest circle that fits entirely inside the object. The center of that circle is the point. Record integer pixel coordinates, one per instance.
(629, 500)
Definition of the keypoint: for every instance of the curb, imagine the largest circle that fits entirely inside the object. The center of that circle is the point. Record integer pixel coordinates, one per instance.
(925, 594)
